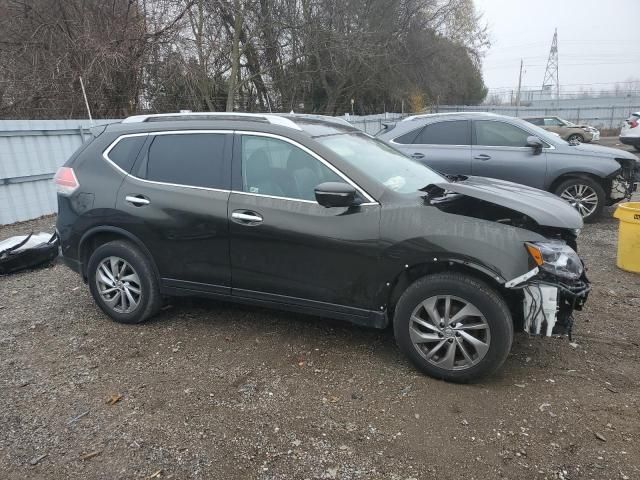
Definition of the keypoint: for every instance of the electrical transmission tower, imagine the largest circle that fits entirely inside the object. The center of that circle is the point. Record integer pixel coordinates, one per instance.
(551, 83)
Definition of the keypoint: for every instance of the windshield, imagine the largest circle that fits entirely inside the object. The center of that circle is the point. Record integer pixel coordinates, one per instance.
(382, 162)
(540, 132)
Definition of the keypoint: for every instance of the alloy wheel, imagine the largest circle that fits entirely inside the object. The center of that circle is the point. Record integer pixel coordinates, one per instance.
(118, 284)
(581, 197)
(449, 332)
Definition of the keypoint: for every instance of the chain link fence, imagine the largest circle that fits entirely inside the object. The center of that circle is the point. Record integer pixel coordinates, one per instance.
(601, 117)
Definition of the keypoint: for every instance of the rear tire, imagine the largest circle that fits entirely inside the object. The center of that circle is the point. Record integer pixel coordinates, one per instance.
(480, 322)
(123, 283)
(578, 192)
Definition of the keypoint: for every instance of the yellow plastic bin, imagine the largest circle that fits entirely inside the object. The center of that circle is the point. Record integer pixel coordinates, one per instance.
(628, 236)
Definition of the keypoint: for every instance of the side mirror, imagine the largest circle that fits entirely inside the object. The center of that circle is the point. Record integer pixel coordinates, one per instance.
(535, 143)
(335, 194)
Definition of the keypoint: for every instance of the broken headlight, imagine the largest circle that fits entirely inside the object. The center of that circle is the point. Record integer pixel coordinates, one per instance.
(557, 258)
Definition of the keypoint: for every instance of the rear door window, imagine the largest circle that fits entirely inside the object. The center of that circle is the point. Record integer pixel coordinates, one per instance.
(499, 134)
(191, 159)
(125, 151)
(456, 132)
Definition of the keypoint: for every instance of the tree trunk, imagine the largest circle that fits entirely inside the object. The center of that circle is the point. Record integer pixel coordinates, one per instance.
(235, 55)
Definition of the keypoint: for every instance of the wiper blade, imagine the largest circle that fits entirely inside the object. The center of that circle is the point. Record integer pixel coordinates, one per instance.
(455, 178)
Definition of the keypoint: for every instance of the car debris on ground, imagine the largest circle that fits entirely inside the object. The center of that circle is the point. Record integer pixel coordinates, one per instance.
(21, 252)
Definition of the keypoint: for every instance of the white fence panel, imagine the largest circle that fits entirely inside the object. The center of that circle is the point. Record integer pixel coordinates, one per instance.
(30, 153)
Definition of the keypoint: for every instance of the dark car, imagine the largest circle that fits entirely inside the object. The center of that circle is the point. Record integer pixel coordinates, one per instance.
(312, 215)
(589, 177)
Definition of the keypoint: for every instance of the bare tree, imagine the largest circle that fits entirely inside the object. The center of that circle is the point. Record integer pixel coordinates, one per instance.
(305, 55)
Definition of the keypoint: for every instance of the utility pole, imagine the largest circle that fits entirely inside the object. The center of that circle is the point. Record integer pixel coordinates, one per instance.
(86, 101)
(519, 87)
(551, 80)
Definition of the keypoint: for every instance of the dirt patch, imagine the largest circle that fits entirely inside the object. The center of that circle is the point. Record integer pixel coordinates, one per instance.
(213, 390)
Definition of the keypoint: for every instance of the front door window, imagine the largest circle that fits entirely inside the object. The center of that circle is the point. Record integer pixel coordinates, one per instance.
(277, 168)
(500, 134)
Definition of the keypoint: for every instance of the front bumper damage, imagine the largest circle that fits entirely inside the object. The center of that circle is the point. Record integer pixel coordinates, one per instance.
(548, 303)
(625, 182)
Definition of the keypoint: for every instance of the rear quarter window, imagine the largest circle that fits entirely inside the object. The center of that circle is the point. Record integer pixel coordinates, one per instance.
(408, 138)
(124, 153)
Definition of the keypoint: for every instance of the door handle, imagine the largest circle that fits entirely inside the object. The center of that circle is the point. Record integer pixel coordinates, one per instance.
(417, 155)
(246, 217)
(482, 156)
(137, 200)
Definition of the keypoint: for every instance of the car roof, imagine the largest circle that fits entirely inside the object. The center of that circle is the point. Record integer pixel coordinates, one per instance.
(310, 124)
(459, 115)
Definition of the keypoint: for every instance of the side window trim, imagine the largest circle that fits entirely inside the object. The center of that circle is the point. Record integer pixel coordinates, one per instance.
(138, 164)
(112, 145)
(237, 181)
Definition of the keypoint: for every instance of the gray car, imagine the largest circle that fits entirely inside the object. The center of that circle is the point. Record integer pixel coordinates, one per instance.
(589, 177)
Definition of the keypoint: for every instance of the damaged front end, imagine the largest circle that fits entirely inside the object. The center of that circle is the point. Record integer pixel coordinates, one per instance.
(625, 181)
(555, 283)
(555, 287)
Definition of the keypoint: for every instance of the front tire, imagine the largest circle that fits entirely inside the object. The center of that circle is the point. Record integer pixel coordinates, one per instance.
(453, 327)
(122, 282)
(585, 195)
(575, 137)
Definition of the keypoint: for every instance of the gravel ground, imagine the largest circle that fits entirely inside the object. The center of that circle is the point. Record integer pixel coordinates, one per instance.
(214, 390)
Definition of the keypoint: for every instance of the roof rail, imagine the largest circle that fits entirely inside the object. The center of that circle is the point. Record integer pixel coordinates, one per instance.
(440, 114)
(273, 119)
(326, 118)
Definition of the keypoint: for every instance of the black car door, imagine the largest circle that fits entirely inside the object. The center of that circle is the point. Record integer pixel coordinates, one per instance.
(285, 247)
(175, 201)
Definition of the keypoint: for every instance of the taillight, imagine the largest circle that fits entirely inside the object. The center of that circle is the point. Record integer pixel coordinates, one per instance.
(633, 123)
(66, 181)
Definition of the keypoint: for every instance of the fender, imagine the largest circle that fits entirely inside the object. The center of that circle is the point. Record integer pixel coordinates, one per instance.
(583, 170)
(392, 289)
(117, 231)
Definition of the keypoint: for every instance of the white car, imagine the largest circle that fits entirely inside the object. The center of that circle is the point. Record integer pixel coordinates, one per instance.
(630, 133)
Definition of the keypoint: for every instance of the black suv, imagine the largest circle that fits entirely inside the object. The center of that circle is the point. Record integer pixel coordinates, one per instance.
(309, 214)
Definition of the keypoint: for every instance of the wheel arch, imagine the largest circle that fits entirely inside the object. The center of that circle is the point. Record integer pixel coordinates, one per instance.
(97, 236)
(579, 134)
(603, 182)
(414, 272)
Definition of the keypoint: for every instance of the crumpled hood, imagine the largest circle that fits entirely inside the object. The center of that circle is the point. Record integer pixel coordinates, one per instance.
(590, 148)
(543, 207)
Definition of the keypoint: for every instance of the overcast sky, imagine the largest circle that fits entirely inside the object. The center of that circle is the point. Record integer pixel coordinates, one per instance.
(598, 41)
